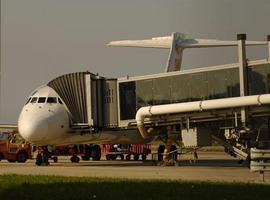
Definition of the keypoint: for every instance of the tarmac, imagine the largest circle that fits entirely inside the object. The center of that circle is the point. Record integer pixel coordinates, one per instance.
(212, 166)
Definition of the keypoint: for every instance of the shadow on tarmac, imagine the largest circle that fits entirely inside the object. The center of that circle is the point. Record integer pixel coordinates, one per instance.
(119, 163)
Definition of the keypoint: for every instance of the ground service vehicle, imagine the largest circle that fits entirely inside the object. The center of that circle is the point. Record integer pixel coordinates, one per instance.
(14, 148)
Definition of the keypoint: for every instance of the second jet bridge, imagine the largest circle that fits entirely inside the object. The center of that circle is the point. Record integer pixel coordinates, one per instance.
(199, 84)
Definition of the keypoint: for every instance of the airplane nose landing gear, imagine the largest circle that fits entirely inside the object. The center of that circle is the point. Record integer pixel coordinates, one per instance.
(42, 158)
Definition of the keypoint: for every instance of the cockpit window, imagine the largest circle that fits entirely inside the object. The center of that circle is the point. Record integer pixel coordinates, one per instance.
(41, 99)
(28, 100)
(33, 100)
(60, 101)
(52, 100)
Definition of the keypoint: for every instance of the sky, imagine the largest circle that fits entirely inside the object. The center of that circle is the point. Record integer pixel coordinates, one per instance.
(43, 39)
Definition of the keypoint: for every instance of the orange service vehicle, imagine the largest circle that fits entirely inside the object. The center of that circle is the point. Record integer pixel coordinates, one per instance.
(14, 148)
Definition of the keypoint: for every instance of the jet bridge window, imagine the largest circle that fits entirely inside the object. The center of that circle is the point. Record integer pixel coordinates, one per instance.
(34, 100)
(127, 100)
(41, 99)
(52, 100)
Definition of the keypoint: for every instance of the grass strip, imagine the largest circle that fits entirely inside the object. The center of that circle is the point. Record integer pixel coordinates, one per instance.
(57, 187)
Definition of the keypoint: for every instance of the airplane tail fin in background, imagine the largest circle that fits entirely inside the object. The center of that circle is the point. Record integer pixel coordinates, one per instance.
(177, 42)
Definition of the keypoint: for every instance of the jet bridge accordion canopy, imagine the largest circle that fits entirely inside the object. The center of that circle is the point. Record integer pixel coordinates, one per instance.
(90, 99)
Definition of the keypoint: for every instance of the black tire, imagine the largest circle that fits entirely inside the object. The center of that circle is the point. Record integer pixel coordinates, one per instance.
(72, 159)
(1, 156)
(161, 149)
(55, 159)
(39, 159)
(96, 152)
(22, 157)
(11, 161)
(136, 157)
(75, 159)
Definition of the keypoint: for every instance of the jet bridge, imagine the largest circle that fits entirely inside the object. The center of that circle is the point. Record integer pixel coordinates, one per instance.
(90, 99)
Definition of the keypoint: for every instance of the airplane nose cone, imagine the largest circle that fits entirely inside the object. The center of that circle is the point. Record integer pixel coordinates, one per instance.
(33, 130)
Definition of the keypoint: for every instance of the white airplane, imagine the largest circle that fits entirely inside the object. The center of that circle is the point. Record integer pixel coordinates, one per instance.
(47, 118)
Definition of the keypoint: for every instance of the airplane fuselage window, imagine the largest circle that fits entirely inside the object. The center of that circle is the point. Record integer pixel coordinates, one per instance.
(52, 100)
(41, 99)
(33, 100)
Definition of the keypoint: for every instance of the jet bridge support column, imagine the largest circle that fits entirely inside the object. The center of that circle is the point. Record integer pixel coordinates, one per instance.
(243, 74)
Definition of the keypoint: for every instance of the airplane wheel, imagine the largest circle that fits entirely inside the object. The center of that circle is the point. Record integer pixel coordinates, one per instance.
(38, 159)
(96, 152)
